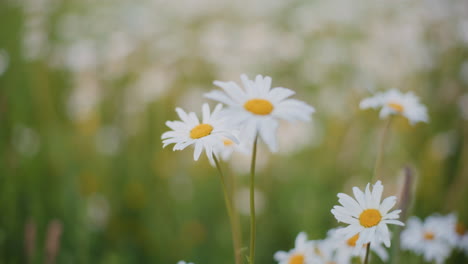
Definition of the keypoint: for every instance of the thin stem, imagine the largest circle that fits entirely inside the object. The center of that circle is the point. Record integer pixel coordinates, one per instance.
(252, 202)
(227, 200)
(366, 259)
(381, 150)
(236, 221)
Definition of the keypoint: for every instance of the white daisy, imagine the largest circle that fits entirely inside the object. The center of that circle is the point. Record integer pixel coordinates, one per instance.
(302, 253)
(257, 108)
(455, 231)
(228, 147)
(431, 238)
(366, 216)
(394, 102)
(183, 262)
(344, 250)
(206, 135)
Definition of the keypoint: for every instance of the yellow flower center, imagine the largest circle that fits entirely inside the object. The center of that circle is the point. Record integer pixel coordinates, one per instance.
(258, 106)
(460, 229)
(396, 106)
(370, 217)
(429, 235)
(352, 241)
(296, 259)
(228, 142)
(200, 131)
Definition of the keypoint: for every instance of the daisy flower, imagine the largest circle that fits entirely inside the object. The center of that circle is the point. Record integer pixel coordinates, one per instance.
(430, 238)
(302, 253)
(228, 147)
(206, 135)
(183, 262)
(394, 102)
(458, 237)
(344, 250)
(257, 108)
(366, 215)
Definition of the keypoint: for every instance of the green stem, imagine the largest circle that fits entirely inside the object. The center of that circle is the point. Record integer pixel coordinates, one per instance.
(380, 151)
(227, 200)
(252, 202)
(366, 259)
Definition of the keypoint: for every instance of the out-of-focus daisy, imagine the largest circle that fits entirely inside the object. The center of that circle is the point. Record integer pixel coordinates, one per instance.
(228, 147)
(430, 238)
(394, 102)
(366, 216)
(257, 108)
(302, 253)
(206, 135)
(183, 262)
(344, 250)
(459, 236)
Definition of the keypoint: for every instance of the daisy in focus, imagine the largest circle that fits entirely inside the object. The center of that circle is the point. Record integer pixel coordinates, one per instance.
(393, 102)
(432, 238)
(302, 253)
(257, 107)
(206, 135)
(366, 215)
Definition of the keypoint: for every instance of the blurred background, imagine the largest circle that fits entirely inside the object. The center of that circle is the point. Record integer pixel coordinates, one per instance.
(86, 87)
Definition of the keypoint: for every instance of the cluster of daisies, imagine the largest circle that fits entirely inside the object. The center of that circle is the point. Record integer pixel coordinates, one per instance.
(367, 220)
(366, 217)
(255, 110)
(436, 237)
(252, 111)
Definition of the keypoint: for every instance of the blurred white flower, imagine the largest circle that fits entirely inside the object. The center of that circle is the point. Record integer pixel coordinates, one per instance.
(394, 102)
(257, 109)
(242, 201)
(107, 140)
(433, 238)
(240, 162)
(228, 147)
(84, 97)
(343, 250)
(97, 210)
(459, 236)
(302, 253)
(366, 215)
(205, 135)
(25, 140)
(443, 145)
(293, 137)
(183, 262)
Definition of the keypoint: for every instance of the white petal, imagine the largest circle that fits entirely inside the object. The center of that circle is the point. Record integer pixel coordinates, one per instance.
(232, 90)
(383, 234)
(182, 114)
(391, 221)
(198, 150)
(376, 194)
(220, 97)
(268, 129)
(359, 197)
(278, 94)
(387, 204)
(206, 113)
